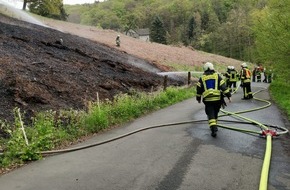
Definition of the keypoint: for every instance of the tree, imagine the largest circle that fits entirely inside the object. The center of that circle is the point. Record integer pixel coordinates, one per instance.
(204, 21)
(271, 27)
(191, 29)
(157, 31)
(129, 22)
(48, 8)
(25, 4)
(272, 30)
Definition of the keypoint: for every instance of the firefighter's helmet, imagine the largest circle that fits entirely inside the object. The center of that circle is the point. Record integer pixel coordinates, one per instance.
(208, 66)
(244, 65)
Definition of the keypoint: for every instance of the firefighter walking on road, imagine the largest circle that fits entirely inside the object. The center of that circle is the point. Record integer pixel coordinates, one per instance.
(211, 89)
(227, 76)
(246, 81)
(259, 74)
(233, 78)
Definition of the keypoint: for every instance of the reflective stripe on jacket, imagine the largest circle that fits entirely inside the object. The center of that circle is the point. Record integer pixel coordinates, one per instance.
(210, 83)
(245, 75)
(210, 87)
(233, 76)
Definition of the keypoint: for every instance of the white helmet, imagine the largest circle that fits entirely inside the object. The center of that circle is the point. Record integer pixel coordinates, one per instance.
(244, 64)
(233, 67)
(229, 67)
(208, 66)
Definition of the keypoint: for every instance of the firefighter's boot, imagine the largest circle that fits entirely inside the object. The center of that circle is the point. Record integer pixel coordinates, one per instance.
(214, 130)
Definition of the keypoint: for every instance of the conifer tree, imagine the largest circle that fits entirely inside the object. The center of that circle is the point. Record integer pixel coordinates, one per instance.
(157, 31)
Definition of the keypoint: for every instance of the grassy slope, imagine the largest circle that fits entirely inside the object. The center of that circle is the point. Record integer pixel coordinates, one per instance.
(172, 57)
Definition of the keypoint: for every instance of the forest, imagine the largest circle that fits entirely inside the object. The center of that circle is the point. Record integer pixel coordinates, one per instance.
(231, 28)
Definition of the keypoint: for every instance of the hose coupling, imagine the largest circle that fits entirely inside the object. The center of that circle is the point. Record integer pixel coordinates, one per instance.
(269, 132)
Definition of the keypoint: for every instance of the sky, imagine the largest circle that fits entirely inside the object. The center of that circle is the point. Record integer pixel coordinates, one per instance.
(73, 2)
(19, 3)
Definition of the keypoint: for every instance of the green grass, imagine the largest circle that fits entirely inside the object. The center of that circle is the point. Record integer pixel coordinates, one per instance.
(280, 92)
(183, 67)
(54, 129)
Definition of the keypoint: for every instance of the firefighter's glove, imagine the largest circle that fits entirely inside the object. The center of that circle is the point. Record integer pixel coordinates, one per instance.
(224, 105)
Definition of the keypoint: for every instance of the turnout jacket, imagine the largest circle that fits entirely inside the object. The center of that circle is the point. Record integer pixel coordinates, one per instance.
(233, 75)
(246, 75)
(211, 87)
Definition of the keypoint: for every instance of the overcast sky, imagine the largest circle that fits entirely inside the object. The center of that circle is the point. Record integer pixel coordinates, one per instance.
(72, 2)
(19, 3)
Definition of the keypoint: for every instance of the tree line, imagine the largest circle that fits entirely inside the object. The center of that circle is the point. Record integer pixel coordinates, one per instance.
(216, 26)
(47, 8)
(226, 27)
(250, 30)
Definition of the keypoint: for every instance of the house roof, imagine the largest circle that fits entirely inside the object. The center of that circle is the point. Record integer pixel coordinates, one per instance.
(143, 32)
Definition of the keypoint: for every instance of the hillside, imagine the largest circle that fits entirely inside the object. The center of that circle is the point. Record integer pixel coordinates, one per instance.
(38, 72)
(157, 53)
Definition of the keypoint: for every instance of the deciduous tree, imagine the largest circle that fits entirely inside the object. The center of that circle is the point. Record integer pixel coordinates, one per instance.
(48, 8)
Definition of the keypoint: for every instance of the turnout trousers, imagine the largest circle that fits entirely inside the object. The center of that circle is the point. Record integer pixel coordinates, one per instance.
(212, 109)
(232, 86)
(247, 90)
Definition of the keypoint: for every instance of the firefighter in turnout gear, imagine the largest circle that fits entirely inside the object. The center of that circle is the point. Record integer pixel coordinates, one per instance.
(246, 81)
(233, 78)
(227, 76)
(211, 89)
(118, 41)
(259, 74)
(254, 74)
(270, 76)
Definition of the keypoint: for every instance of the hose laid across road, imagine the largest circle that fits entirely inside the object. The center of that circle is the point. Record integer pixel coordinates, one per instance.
(267, 131)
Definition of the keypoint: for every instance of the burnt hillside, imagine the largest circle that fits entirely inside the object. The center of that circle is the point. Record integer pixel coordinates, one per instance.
(38, 72)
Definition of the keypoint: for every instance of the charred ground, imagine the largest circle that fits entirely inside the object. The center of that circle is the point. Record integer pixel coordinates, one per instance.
(37, 72)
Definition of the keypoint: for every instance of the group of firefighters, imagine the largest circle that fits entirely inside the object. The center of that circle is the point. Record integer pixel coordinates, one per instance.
(213, 87)
(257, 74)
(232, 76)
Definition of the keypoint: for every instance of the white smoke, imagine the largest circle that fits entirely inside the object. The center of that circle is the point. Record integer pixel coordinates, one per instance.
(13, 8)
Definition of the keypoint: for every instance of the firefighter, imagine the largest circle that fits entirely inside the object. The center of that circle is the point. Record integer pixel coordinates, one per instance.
(265, 75)
(227, 76)
(211, 89)
(245, 76)
(118, 41)
(254, 74)
(233, 78)
(270, 76)
(258, 74)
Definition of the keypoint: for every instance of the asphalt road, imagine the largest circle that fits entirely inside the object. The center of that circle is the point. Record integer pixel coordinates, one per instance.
(179, 157)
